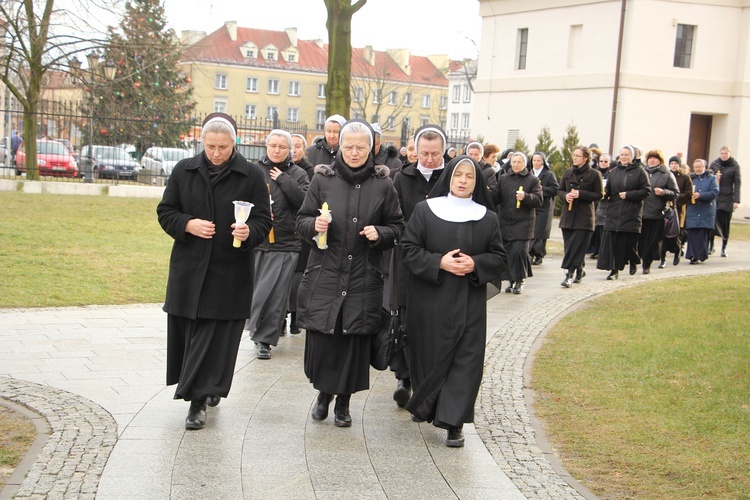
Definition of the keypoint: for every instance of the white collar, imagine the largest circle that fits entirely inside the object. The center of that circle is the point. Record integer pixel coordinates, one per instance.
(453, 209)
(427, 172)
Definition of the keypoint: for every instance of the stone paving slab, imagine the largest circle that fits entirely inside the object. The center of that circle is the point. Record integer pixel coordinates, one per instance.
(97, 375)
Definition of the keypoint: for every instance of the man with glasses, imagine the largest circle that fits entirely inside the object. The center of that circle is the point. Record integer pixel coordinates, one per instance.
(276, 258)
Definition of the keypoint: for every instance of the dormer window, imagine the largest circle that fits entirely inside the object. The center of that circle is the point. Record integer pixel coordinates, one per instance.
(250, 53)
(249, 50)
(271, 54)
(290, 55)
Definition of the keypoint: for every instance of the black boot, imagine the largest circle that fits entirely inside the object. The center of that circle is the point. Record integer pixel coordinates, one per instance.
(293, 328)
(518, 287)
(510, 288)
(455, 437)
(613, 275)
(568, 281)
(580, 274)
(341, 417)
(663, 263)
(196, 418)
(403, 392)
(320, 410)
(633, 268)
(212, 400)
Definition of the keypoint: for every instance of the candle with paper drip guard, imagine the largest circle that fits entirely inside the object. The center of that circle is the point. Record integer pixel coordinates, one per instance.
(518, 202)
(271, 236)
(241, 213)
(322, 238)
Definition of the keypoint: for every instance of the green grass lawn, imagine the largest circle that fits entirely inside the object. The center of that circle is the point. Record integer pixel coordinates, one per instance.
(645, 393)
(61, 250)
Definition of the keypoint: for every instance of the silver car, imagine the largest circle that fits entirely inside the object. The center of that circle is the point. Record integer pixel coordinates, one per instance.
(159, 161)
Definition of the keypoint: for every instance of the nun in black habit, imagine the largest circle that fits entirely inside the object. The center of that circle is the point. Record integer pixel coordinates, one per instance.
(451, 249)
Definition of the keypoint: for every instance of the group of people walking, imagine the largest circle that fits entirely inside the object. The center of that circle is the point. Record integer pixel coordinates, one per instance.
(339, 232)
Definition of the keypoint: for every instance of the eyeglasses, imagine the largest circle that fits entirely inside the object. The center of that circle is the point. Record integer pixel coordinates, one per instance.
(358, 149)
(278, 146)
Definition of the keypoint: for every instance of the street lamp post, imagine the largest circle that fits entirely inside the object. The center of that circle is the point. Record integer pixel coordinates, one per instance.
(88, 79)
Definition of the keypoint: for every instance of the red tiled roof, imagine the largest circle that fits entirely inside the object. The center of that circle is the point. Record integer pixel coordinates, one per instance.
(218, 47)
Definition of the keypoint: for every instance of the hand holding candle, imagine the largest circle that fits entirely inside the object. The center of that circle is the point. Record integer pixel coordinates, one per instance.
(518, 201)
(322, 238)
(271, 236)
(241, 213)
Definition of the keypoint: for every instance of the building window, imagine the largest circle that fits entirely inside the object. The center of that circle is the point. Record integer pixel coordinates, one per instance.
(465, 121)
(273, 86)
(683, 47)
(424, 120)
(250, 53)
(291, 57)
(357, 94)
(322, 90)
(220, 82)
(407, 123)
(407, 99)
(426, 100)
(220, 106)
(467, 93)
(292, 114)
(454, 121)
(294, 88)
(443, 101)
(271, 112)
(252, 84)
(271, 54)
(376, 96)
(523, 42)
(456, 93)
(320, 119)
(392, 97)
(390, 123)
(251, 111)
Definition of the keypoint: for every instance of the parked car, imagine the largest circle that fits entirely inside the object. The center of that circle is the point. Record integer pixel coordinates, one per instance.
(52, 158)
(160, 161)
(110, 162)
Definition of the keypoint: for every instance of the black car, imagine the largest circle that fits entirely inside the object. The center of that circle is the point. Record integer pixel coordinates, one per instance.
(109, 162)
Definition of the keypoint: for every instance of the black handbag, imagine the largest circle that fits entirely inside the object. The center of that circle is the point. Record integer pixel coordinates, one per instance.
(671, 223)
(387, 341)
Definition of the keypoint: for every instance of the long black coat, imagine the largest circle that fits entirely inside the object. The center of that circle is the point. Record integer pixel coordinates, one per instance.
(320, 153)
(588, 182)
(730, 184)
(210, 278)
(518, 223)
(543, 223)
(626, 215)
(347, 277)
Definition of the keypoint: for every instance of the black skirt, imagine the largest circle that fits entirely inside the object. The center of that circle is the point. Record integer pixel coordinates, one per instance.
(652, 234)
(624, 249)
(575, 244)
(606, 258)
(519, 264)
(697, 243)
(723, 220)
(201, 355)
(337, 363)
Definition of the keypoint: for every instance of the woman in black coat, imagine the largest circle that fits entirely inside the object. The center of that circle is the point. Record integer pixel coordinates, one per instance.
(603, 166)
(727, 172)
(519, 194)
(323, 151)
(580, 187)
(451, 250)
(685, 196)
(626, 189)
(210, 280)
(339, 302)
(663, 190)
(544, 214)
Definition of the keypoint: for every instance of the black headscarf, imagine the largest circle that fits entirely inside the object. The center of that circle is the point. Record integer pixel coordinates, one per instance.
(480, 194)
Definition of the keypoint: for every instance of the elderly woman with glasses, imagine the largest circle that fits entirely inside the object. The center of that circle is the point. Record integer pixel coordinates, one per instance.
(339, 302)
(276, 258)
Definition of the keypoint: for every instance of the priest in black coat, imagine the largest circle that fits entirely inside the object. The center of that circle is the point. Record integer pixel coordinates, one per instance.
(452, 249)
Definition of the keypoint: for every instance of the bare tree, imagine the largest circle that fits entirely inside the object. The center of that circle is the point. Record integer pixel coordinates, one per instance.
(339, 26)
(378, 98)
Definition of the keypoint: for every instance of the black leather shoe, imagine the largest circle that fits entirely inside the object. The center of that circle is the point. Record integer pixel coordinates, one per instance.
(723, 253)
(676, 259)
(264, 351)
(283, 328)
(403, 392)
(580, 274)
(510, 288)
(415, 418)
(196, 418)
(663, 264)
(646, 270)
(455, 438)
(594, 255)
(518, 287)
(633, 268)
(536, 260)
(320, 410)
(212, 400)
(341, 417)
(613, 275)
(293, 327)
(568, 281)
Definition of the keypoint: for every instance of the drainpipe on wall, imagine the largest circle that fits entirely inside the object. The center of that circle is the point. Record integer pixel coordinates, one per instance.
(616, 90)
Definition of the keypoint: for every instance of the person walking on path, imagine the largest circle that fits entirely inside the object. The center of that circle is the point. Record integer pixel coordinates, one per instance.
(452, 249)
(701, 213)
(544, 214)
(323, 151)
(353, 203)
(663, 190)
(727, 172)
(685, 196)
(210, 280)
(627, 187)
(276, 258)
(580, 187)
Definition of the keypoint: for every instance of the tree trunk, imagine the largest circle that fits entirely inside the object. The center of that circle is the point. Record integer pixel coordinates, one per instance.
(339, 25)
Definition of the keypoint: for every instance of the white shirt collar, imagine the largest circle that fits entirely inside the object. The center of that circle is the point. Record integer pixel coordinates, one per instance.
(453, 209)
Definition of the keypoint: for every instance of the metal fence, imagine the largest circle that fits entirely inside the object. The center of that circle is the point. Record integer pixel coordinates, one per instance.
(70, 124)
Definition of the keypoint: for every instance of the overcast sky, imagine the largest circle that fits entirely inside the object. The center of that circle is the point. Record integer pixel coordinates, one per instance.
(453, 28)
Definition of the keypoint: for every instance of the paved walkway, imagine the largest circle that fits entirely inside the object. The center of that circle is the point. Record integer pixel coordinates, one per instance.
(97, 375)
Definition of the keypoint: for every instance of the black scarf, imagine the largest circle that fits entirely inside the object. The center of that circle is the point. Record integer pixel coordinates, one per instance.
(354, 175)
(216, 171)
